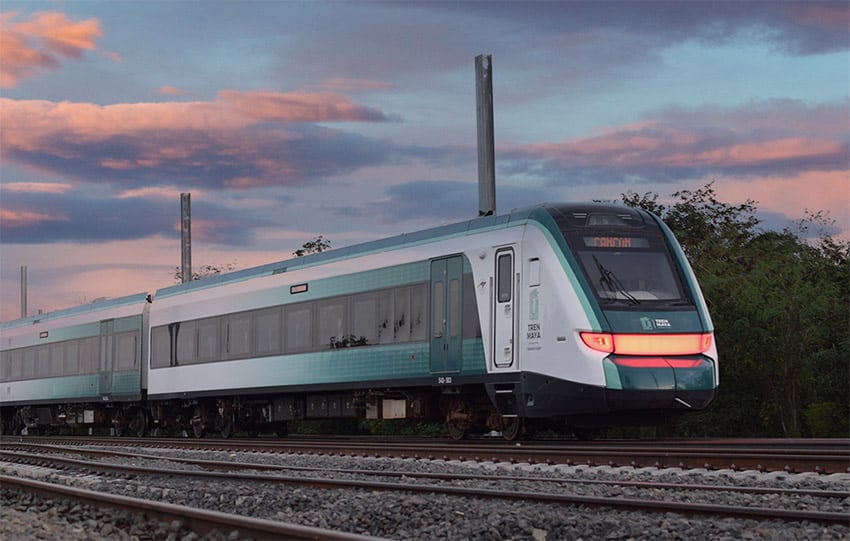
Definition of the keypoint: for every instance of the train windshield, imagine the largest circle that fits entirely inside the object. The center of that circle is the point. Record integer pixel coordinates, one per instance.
(624, 256)
(630, 275)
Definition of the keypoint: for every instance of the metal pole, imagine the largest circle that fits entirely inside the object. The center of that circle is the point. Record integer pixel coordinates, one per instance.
(185, 237)
(486, 157)
(23, 291)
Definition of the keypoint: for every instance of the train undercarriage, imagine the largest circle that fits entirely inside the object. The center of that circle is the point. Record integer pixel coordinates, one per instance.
(463, 409)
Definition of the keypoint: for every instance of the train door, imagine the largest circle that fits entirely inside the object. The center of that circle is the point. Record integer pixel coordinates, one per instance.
(446, 316)
(504, 351)
(106, 357)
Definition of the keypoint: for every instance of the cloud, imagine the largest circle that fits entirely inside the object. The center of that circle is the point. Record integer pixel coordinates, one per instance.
(438, 201)
(41, 42)
(37, 216)
(782, 137)
(240, 139)
(168, 90)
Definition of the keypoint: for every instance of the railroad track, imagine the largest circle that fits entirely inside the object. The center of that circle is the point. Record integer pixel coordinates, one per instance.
(823, 456)
(527, 488)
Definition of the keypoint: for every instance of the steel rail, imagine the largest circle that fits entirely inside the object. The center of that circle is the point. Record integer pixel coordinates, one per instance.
(199, 520)
(229, 465)
(632, 504)
(766, 457)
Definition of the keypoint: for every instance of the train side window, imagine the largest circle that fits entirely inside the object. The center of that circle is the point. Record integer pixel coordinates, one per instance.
(239, 335)
(419, 311)
(89, 354)
(160, 347)
(437, 314)
(16, 370)
(401, 314)
(267, 326)
(29, 363)
(471, 323)
(298, 320)
(385, 317)
(331, 330)
(5, 366)
(125, 350)
(505, 272)
(208, 339)
(57, 359)
(454, 307)
(43, 360)
(72, 356)
(364, 319)
(187, 342)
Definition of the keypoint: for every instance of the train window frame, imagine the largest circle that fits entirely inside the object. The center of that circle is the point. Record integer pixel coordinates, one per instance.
(364, 318)
(331, 334)
(268, 334)
(298, 327)
(236, 335)
(72, 357)
(160, 342)
(126, 350)
(209, 339)
(504, 276)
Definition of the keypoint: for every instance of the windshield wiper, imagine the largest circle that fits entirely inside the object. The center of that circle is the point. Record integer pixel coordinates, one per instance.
(611, 283)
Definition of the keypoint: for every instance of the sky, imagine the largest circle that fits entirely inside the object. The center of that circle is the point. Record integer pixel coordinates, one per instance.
(356, 121)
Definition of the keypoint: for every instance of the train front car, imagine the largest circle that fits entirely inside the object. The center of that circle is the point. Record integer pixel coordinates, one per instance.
(633, 338)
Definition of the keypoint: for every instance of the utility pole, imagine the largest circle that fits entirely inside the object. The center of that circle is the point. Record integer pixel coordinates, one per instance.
(185, 237)
(486, 158)
(23, 291)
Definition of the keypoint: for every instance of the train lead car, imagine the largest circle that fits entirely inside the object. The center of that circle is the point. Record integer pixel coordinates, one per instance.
(569, 315)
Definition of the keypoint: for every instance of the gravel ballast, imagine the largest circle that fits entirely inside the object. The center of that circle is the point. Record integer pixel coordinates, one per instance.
(398, 515)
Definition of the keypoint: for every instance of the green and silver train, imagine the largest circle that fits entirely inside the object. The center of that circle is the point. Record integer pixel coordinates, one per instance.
(571, 315)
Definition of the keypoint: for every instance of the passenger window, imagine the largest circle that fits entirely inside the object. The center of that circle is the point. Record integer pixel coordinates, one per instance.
(186, 342)
(330, 324)
(160, 347)
(208, 339)
(505, 276)
(268, 328)
(299, 327)
(419, 312)
(125, 345)
(239, 335)
(57, 359)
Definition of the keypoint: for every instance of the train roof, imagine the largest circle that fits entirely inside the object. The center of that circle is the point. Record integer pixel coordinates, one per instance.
(516, 217)
(95, 306)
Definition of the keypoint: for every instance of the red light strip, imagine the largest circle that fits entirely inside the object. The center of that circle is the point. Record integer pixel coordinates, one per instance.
(648, 344)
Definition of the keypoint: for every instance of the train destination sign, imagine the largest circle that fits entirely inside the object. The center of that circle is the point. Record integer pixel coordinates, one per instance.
(616, 242)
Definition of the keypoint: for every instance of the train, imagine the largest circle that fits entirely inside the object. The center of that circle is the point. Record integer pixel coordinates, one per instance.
(572, 316)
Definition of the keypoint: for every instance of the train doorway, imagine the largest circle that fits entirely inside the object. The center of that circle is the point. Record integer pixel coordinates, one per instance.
(504, 350)
(446, 315)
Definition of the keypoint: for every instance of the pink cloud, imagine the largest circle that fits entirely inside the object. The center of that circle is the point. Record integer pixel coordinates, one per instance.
(26, 47)
(10, 218)
(36, 187)
(297, 106)
(239, 139)
(169, 90)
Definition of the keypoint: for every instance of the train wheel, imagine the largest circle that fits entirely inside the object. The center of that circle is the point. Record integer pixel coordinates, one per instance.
(138, 425)
(458, 419)
(197, 423)
(513, 428)
(228, 422)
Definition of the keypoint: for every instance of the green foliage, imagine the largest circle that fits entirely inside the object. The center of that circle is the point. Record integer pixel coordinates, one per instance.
(204, 271)
(780, 306)
(315, 246)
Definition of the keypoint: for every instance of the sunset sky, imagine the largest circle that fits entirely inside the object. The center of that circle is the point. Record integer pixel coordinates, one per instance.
(356, 120)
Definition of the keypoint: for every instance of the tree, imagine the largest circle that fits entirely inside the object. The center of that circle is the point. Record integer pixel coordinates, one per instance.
(204, 271)
(315, 246)
(780, 308)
